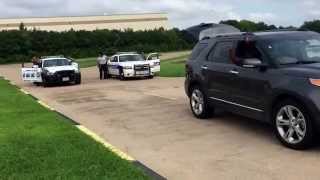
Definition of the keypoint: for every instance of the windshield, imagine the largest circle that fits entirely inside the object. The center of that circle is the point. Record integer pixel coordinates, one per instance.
(293, 50)
(126, 58)
(56, 62)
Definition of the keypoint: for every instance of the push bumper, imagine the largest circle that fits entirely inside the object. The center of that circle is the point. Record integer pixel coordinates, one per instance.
(133, 73)
(58, 78)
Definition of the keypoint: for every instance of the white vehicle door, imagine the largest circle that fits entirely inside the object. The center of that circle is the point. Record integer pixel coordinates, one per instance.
(154, 61)
(31, 74)
(113, 65)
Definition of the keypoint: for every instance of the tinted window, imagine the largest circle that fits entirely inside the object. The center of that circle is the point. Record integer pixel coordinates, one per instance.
(114, 59)
(56, 62)
(127, 58)
(247, 50)
(197, 50)
(293, 49)
(221, 52)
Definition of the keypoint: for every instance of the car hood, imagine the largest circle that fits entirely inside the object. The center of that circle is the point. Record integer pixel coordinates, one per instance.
(304, 70)
(60, 68)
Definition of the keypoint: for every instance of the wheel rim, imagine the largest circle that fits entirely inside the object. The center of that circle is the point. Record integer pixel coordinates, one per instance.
(197, 102)
(291, 124)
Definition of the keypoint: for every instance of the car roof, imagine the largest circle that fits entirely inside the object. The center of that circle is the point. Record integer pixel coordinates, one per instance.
(260, 34)
(123, 54)
(52, 58)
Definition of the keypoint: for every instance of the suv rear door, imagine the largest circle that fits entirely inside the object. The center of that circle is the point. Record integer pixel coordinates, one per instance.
(220, 72)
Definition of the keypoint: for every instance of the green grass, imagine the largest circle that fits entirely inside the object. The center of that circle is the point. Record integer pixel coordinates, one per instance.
(173, 67)
(87, 62)
(36, 143)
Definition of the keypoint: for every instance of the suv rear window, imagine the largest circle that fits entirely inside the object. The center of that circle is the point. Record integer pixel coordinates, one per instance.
(197, 50)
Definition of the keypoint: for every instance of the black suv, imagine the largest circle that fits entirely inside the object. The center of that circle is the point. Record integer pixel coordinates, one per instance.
(269, 76)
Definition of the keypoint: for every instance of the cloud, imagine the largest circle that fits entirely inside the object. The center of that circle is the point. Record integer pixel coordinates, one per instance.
(265, 17)
(182, 13)
(311, 9)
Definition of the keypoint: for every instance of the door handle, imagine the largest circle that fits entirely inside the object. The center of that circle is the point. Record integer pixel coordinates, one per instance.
(204, 67)
(234, 72)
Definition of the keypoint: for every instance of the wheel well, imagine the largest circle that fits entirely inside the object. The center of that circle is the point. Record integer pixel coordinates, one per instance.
(192, 84)
(283, 97)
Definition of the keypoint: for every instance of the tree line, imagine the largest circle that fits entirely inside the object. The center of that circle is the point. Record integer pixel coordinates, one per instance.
(21, 45)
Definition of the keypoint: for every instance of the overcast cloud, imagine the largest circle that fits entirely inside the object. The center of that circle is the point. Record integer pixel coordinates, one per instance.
(182, 13)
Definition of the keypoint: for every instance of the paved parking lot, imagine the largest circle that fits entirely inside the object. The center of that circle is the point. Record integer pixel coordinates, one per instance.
(151, 121)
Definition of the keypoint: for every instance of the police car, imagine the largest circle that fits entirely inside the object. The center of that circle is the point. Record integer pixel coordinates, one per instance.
(55, 69)
(130, 64)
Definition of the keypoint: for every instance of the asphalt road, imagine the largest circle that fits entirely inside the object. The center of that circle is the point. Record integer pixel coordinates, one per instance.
(151, 121)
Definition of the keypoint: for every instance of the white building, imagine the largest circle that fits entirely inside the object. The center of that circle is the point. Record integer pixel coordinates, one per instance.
(136, 22)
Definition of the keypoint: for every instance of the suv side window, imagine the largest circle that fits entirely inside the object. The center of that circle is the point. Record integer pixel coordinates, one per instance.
(220, 53)
(247, 50)
(197, 50)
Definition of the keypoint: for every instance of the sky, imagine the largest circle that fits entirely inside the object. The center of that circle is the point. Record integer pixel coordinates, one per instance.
(181, 13)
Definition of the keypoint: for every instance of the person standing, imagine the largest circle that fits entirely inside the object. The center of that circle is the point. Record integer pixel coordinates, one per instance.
(102, 66)
(105, 66)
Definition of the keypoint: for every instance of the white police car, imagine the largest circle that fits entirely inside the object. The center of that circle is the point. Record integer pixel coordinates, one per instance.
(53, 70)
(131, 64)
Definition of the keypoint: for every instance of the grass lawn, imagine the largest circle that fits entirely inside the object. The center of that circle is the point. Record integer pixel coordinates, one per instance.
(36, 143)
(173, 67)
(172, 63)
(87, 62)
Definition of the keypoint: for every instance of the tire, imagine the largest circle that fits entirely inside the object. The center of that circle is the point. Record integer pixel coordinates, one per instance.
(151, 77)
(122, 78)
(37, 83)
(78, 79)
(199, 103)
(121, 74)
(45, 83)
(293, 125)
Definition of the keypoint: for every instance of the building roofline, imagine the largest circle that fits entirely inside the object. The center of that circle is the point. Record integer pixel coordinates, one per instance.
(79, 16)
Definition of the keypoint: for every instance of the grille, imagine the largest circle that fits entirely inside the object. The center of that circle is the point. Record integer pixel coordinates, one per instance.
(144, 67)
(65, 73)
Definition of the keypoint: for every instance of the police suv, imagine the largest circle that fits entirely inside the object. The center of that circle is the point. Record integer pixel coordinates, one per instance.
(49, 70)
(130, 64)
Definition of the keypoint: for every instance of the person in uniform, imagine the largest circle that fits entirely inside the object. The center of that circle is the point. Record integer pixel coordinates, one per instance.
(102, 66)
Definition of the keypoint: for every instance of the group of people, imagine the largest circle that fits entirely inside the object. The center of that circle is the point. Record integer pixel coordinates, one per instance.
(102, 64)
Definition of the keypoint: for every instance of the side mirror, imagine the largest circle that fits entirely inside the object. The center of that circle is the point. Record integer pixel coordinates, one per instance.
(251, 62)
(254, 62)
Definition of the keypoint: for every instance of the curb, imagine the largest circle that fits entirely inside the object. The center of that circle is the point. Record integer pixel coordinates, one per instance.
(154, 175)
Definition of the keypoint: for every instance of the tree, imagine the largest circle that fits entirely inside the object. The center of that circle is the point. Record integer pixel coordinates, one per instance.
(22, 27)
(311, 25)
(249, 26)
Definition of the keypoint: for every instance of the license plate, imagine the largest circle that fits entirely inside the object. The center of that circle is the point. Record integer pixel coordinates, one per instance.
(142, 72)
(65, 79)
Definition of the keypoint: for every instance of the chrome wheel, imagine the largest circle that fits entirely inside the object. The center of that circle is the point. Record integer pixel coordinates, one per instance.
(291, 124)
(197, 102)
